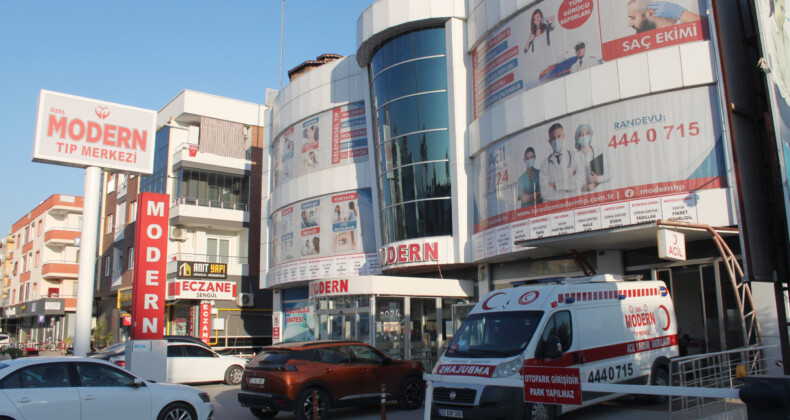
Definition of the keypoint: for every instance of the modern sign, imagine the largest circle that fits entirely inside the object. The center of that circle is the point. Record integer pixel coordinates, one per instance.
(201, 289)
(671, 245)
(552, 385)
(82, 132)
(150, 274)
(409, 253)
(202, 270)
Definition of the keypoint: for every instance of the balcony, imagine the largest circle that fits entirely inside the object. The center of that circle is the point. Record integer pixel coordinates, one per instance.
(61, 236)
(120, 231)
(190, 156)
(60, 269)
(122, 188)
(208, 213)
(237, 266)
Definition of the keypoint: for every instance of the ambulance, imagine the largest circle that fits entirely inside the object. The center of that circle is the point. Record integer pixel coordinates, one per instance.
(614, 331)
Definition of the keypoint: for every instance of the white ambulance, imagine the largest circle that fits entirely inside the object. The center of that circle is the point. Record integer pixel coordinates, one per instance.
(614, 331)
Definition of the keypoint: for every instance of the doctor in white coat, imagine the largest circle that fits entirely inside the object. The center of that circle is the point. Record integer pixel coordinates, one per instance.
(562, 173)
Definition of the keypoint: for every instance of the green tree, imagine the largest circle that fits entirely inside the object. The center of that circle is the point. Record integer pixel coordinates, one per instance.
(101, 334)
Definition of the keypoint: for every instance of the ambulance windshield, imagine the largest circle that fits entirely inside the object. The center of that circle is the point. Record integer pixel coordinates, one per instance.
(494, 334)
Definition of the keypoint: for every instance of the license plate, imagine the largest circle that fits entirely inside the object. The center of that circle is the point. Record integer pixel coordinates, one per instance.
(457, 414)
(257, 381)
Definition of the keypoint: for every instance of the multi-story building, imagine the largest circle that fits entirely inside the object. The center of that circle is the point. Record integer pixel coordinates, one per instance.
(6, 268)
(208, 159)
(42, 279)
(471, 145)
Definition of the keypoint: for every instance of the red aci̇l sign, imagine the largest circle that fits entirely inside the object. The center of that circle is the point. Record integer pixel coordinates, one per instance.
(150, 274)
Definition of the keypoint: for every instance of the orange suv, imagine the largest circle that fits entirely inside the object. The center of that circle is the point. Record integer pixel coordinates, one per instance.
(283, 377)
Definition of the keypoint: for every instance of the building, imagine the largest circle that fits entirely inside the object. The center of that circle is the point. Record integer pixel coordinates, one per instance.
(42, 254)
(208, 159)
(472, 145)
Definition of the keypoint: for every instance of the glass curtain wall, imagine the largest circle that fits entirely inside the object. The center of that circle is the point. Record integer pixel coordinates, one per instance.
(408, 77)
(157, 181)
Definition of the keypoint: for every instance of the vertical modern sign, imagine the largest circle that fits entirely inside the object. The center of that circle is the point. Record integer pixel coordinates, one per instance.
(150, 267)
(205, 319)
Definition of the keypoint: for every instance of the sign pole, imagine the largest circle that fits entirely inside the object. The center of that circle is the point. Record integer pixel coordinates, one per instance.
(88, 250)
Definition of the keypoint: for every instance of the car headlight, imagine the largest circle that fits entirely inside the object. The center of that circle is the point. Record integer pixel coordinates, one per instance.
(204, 396)
(509, 368)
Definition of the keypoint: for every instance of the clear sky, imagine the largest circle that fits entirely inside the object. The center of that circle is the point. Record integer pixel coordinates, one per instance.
(143, 53)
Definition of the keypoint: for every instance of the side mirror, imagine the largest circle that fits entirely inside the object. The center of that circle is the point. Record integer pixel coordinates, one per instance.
(138, 383)
(387, 361)
(551, 348)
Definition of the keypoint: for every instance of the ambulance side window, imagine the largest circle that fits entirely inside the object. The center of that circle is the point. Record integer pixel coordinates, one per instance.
(559, 325)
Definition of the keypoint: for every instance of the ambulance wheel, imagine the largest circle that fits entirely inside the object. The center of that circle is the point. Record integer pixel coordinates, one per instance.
(659, 378)
(538, 411)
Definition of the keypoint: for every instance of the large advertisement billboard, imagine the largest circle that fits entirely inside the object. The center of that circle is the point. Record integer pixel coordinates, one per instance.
(555, 38)
(150, 267)
(299, 321)
(327, 236)
(82, 132)
(603, 168)
(332, 138)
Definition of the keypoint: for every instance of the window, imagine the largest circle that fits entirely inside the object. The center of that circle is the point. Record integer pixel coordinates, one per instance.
(38, 227)
(131, 258)
(99, 375)
(111, 183)
(559, 325)
(110, 221)
(335, 355)
(365, 354)
(27, 234)
(24, 263)
(197, 351)
(217, 250)
(107, 265)
(175, 351)
(132, 211)
(16, 266)
(27, 292)
(49, 375)
(37, 255)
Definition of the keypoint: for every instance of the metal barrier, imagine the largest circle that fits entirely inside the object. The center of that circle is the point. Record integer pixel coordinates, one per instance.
(712, 370)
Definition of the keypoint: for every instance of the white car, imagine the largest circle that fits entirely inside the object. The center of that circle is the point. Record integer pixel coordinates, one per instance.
(193, 363)
(87, 388)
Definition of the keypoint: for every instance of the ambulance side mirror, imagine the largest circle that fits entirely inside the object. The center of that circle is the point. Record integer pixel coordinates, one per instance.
(550, 348)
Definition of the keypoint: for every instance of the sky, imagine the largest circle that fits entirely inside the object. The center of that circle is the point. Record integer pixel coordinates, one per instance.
(143, 53)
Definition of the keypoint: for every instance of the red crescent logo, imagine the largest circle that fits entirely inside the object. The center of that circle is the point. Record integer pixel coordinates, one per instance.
(485, 302)
(669, 321)
(528, 297)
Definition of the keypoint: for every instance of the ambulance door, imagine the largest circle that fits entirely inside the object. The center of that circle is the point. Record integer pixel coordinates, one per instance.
(602, 342)
(558, 328)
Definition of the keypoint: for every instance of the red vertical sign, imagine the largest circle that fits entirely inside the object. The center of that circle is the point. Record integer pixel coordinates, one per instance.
(205, 318)
(150, 267)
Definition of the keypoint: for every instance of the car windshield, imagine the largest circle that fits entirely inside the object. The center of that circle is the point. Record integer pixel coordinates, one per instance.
(272, 357)
(113, 348)
(494, 334)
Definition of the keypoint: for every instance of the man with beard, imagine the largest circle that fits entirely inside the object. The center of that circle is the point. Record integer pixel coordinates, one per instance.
(646, 15)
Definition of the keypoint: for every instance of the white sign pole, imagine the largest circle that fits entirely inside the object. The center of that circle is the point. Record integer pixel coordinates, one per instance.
(88, 251)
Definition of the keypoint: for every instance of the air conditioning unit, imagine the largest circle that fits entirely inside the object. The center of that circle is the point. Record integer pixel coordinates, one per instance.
(177, 234)
(245, 300)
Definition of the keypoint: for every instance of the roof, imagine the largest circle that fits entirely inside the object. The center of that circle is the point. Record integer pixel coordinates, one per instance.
(311, 64)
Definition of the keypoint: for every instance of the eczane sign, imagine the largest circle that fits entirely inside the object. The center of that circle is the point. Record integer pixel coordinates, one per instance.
(82, 132)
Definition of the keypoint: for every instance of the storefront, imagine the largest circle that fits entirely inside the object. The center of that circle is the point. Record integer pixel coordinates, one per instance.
(41, 321)
(405, 317)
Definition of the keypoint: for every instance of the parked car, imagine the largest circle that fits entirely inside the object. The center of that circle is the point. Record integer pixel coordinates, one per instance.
(89, 388)
(191, 363)
(117, 351)
(185, 339)
(283, 377)
(5, 339)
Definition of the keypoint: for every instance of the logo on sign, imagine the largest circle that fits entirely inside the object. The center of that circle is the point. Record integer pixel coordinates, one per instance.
(102, 112)
(528, 297)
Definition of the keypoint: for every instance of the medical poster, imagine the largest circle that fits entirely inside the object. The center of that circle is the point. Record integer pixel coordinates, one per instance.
(555, 38)
(578, 168)
(331, 235)
(332, 138)
(299, 321)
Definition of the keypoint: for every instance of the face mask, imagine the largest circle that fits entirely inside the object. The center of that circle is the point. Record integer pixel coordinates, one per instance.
(556, 145)
(584, 141)
(530, 163)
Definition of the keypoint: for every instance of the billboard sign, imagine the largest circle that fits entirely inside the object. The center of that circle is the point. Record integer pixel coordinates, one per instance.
(299, 321)
(628, 163)
(556, 38)
(201, 289)
(82, 132)
(150, 274)
(552, 385)
(202, 270)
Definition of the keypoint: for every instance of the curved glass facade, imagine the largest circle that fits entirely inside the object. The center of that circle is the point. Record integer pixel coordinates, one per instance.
(409, 92)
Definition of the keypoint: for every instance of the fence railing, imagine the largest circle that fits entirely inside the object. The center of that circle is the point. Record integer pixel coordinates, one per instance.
(712, 370)
(208, 258)
(202, 202)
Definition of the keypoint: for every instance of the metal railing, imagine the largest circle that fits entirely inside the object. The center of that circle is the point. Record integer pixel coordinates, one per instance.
(712, 370)
(208, 258)
(202, 202)
(73, 229)
(184, 148)
(63, 261)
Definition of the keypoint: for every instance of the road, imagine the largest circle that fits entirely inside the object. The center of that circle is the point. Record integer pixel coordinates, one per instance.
(226, 406)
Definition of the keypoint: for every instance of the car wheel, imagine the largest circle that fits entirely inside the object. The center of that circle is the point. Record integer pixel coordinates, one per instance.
(304, 405)
(263, 413)
(538, 412)
(177, 411)
(660, 378)
(233, 375)
(412, 393)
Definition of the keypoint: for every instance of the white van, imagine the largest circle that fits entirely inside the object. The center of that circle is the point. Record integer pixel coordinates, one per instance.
(612, 330)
